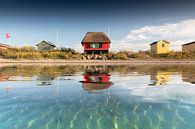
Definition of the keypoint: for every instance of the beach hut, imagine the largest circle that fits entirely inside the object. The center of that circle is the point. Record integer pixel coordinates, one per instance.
(4, 46)
(96, 43)
(188, 47)
(45, 46)
(160, 47)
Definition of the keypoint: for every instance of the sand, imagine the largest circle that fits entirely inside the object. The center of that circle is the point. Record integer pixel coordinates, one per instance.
(4, 62)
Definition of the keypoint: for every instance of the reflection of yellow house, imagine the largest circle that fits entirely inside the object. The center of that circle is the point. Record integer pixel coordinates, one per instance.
(160, 78)
(160, 47)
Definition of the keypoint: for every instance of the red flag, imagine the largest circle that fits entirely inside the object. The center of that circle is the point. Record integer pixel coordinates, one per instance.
(8, 36)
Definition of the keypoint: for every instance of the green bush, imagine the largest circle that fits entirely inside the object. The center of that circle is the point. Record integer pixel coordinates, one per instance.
(121, 56)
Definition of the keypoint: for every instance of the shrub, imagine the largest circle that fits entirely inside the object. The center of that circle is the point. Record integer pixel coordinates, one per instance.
(121, 56)
(28, 52)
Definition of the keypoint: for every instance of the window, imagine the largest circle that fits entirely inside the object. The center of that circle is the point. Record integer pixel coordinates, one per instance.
(92, 45)
(163, 45)
(95, 45)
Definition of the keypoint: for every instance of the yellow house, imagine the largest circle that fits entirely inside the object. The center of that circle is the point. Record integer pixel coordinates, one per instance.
(160, 47)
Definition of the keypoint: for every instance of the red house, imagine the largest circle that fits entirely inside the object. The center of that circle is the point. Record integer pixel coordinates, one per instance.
(96, 43)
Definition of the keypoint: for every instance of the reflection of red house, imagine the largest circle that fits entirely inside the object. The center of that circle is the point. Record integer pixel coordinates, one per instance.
(4, 78)
(96, 86)
(93, 82)
(96, 78)
(96, 43)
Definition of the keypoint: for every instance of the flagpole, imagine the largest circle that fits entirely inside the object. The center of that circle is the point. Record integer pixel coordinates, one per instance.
(8, 37)
(108, 32)
(9, 41)
(57, 38)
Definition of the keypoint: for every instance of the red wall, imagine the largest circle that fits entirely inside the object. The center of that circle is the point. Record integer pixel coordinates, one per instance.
(2, 48)
(105, 46)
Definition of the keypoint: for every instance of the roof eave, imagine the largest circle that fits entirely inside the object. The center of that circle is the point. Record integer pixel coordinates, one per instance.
(188, 44)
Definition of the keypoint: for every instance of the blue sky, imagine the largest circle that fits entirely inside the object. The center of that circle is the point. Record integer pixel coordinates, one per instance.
(29, 21)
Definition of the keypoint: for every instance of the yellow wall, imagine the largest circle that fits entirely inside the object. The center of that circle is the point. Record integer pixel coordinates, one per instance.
(159, 49)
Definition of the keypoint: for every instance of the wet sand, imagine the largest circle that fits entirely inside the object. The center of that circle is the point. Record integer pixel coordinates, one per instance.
(4, 62)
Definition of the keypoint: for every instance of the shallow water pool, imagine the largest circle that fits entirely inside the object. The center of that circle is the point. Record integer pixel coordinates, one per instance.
(97, 97)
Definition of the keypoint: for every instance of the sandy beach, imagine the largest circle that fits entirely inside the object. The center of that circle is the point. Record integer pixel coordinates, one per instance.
(4, 62)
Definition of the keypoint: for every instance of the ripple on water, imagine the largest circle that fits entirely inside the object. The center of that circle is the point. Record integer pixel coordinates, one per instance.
(73, 108)
(30, 123)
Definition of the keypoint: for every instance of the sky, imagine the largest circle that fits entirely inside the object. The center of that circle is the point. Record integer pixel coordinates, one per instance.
(133, 24)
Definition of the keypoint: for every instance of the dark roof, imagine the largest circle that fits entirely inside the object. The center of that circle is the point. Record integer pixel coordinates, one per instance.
(159, 41)
(154, 42)
(48, 42)
(95, 37)
(90, 86)
(189, 43)
(4, 45)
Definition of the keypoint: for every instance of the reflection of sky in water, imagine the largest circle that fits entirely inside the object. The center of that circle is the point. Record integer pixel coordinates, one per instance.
(129, 103)
(174, 89)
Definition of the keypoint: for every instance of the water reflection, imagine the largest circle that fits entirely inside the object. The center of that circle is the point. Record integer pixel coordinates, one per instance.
(126, 101)
(159, 78)
(45, 80)
(96, 78)
(159, 75)
(188, 78)
(21, 78)
(32, 71)
(4, 78)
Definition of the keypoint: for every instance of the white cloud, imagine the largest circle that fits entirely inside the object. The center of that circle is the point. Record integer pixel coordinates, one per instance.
(78, 47)
(117, 46)
(139, 39)
(174, 89)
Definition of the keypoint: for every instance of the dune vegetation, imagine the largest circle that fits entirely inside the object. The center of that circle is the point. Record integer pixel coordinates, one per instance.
(30, 53)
